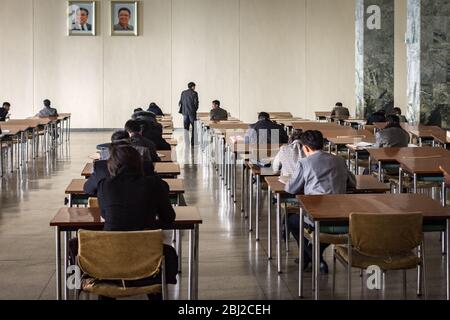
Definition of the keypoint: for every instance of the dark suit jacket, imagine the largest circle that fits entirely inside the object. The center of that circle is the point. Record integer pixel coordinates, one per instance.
(153, 132)
(3, 114)
(156, 110)
(101, 172)
(376, 117)
(140, 141)
(261, 133)
(131, 203)
(218, 114)
(189, 102)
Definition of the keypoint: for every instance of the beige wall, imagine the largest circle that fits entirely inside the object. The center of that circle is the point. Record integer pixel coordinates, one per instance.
(284, 55)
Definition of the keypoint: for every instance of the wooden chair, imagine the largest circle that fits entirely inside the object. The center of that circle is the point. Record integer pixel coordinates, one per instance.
(383, 240)
(109, 259)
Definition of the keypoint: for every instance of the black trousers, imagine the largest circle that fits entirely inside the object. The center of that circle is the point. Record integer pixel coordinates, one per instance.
(189, 121)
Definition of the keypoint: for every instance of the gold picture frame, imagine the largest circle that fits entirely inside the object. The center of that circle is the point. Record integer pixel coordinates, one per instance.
(124, 18)
(81, 18)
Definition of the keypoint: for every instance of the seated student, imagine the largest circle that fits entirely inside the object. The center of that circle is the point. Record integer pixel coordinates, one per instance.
(393, 135)
(398, 112)
(134, 129)
(379, 116)
(118, 136)
(340, 112)
(101, 171)
(47, 111)
(263, 131)
(289, 155)
(217, 113)
(319, 173)
(151, 129)
(130, 201)
(153, 107)
(4, 111)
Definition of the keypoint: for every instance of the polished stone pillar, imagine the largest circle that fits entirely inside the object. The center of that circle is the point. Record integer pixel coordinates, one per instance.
(428, 47)
(374, 56)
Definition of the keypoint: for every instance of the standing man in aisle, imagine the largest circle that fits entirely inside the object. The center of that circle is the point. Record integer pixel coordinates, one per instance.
(188, 108)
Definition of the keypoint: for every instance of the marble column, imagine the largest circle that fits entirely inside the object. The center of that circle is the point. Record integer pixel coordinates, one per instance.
(374, 56)
(428, 47)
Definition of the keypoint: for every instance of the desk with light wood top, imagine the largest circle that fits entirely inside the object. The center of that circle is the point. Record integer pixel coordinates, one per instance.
(332, 210)
(162, 168)
(364, 185)
(75, 189)
(322, 115)
(399, 155)
(68, 220)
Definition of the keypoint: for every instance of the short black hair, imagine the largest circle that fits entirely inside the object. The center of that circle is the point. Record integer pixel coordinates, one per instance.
(119, 135)
(339, 104)
(83, 9)
(295, 135)
(393, 121)
(138, 110)
(397, 110)
(47, 103)
(216, 103)
(263, 116)
(124, 9)
(6, 104)
(312, 139)
(133, 126)
(191, 85)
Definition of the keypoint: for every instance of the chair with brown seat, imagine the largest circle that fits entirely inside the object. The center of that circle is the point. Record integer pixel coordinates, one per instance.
(110, 259)
(384, 240)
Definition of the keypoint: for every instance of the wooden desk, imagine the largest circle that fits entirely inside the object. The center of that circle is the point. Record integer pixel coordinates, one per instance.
(364, 185)
(282, 115)
(322, 115)
(68, 220)
(167, 156)
(172, 142)
(314, 125)
(162, 168)
(258, 173)
(76, 189)
(398, 155)
(426, 170)
(336, 209)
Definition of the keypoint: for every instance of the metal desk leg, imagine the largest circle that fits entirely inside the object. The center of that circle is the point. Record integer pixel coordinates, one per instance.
(243, 187)
(356, 163)
(379, 172)
(193, 263)
(179, 249)
(58, 263)
(301, 241)
(415, 183)
(447, 240)
(269, 224)
(250, 200)
(66, 264)
(316, 258)
(400, 180)
(279, 232)
(258, 206)
(235, 155)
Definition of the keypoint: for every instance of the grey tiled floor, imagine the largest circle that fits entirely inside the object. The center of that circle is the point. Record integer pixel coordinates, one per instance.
(232, 264)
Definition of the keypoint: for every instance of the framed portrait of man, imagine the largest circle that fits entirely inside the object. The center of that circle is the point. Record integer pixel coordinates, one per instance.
(124, 18)
(81, 18)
